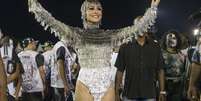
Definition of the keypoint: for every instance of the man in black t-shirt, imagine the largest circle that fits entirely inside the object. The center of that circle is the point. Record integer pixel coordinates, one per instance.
(143, 63)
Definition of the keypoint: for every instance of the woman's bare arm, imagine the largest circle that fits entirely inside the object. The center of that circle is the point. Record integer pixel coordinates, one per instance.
(3, 82)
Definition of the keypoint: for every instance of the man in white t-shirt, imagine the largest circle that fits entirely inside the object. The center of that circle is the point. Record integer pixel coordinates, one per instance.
(33, 76)
(60, 72)
(48, 64)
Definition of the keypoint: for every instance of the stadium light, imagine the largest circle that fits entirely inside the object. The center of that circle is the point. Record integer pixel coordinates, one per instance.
(196, 32)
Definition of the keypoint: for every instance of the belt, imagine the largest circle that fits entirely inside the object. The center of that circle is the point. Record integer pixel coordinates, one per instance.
(174, 79)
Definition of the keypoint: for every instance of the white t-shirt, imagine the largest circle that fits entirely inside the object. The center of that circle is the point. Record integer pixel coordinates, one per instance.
(56, 80)
(31, 79)
(48, 60)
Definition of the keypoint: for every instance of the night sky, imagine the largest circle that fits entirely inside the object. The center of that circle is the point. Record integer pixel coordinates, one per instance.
(173, 14)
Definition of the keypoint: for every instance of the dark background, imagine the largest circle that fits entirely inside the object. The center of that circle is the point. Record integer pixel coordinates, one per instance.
(173, 14)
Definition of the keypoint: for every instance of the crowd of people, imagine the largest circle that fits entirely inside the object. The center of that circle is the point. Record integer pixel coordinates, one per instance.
(92, 64)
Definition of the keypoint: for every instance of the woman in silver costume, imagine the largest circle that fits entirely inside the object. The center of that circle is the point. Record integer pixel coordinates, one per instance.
(94, 45)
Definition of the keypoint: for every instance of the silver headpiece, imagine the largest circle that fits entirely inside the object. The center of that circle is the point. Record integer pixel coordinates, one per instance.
(83, 9)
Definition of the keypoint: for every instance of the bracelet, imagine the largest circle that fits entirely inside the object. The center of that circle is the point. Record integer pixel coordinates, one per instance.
(163, 92)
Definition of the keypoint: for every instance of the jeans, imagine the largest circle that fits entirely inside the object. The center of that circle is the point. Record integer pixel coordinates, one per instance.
(174, 90)
(35, 96)
(69, 96)
(58, 94)
(48, 93)
(139, 99)
(10, 98)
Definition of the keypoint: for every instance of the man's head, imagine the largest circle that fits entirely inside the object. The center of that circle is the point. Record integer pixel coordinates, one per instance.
(136, 22)
(29, 43)
(91, 11)
(47, 46)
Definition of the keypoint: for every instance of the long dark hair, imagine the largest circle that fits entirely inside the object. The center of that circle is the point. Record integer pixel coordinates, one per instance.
(164, 39)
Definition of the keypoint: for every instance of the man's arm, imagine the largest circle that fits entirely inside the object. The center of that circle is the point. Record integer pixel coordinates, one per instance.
(161, 76)
(62, 73)
(194, 75)
(42, 73)
(40, 64)
(18, 87)
(61, 65)
(120, 65)
(118, 83)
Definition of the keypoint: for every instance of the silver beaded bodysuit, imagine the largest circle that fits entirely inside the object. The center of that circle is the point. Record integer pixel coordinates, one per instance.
(94, 45)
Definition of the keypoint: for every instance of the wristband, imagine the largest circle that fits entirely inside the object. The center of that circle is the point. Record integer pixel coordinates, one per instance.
(163, 92)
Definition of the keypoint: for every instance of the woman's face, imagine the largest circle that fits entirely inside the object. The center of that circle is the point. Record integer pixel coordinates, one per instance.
(94, 13)
(171, 40)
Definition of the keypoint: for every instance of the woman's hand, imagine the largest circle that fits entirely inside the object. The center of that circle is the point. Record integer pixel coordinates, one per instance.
(155, 3)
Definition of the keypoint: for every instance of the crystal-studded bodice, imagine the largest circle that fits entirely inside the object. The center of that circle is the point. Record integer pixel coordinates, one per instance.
(95, 56)
(94, 48)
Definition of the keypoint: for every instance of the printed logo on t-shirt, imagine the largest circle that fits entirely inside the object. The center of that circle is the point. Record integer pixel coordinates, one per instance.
(28, 75)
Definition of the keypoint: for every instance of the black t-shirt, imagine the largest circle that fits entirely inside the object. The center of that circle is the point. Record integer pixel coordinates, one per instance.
(61, 53)
(141, 64)
(15, 57)
(16, 61)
